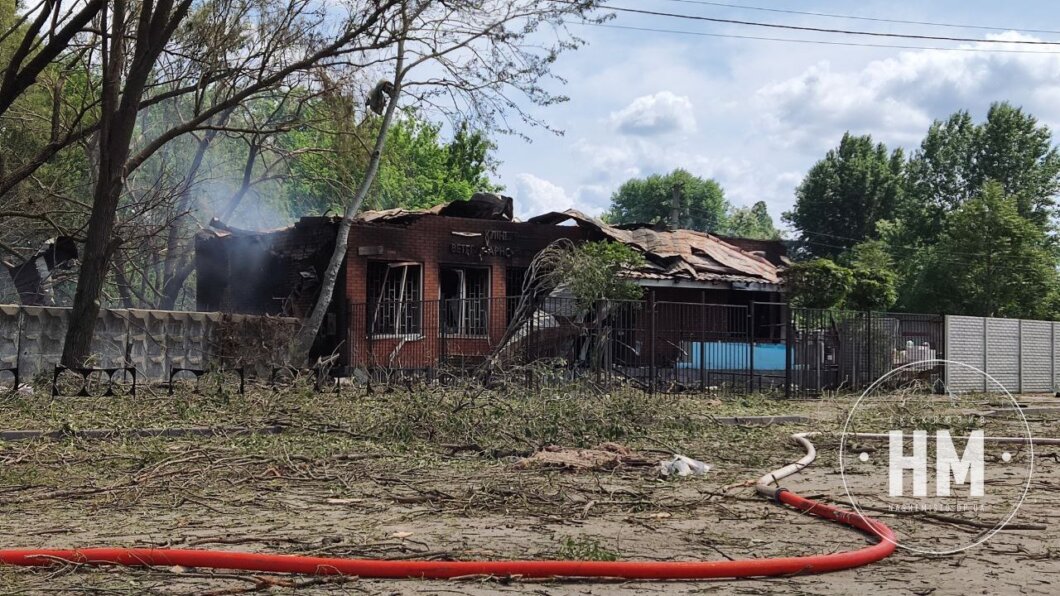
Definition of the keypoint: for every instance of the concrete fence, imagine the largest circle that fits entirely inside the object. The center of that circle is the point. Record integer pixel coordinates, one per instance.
(151, 341)
(1019, 354)
(1022, 355)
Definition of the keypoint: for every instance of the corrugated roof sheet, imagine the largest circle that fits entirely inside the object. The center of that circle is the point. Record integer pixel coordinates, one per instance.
(680, 254)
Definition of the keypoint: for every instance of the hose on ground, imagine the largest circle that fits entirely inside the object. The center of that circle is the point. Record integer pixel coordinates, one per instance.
(374, 568)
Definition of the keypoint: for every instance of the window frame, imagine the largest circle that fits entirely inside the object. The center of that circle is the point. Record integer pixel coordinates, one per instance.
(376, 303)
(463, 268)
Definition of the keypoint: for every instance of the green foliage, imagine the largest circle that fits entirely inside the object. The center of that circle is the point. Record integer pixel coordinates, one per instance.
(989, 261)
(917, 235)
(7, 19)
(418, 169)
(25, 129)
(591, 272)
(875, 283)
(469, 157)
(845, 194)
(650, 200)
(750, 222)
(958, 157)
(819, 283)
(1011, 154)
(703, 206)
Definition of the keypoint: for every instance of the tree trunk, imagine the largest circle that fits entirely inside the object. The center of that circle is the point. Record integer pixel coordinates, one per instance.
(117, 122)
(303, 341)
(78, 345)
(173, 286)
(94, 262)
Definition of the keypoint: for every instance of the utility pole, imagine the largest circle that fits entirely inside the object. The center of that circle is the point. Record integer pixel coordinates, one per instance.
(675, 208)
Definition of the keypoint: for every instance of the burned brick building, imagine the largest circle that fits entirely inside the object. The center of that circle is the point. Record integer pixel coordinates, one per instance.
(419, 287)
(34, 279)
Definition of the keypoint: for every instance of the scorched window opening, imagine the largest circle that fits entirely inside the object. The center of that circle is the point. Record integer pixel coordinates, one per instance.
(464, 292)
(396, 294)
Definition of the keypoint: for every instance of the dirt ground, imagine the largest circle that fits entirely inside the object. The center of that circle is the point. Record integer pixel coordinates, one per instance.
(427, 474)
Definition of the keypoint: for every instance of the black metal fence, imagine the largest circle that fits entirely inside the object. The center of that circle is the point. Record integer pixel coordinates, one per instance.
(836, 350)
(655, 346)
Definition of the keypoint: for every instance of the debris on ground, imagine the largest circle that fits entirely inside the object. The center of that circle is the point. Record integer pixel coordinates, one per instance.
(679, 465)
(605, 456)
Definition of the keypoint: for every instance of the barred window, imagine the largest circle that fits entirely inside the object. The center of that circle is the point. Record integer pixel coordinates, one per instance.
(465, 300)
(395, 295)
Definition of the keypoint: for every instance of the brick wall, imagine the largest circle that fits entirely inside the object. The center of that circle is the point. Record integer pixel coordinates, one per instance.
(434, 242)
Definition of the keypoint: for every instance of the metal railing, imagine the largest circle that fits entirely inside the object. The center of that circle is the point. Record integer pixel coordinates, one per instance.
(837, 350)
(654, 346)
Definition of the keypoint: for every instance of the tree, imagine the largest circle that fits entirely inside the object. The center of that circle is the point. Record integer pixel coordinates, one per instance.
(859, 195)
(953, 165)
(750, 222)
(939, 177)
(958, 157)
(843, 196)
(702, 204)
(819, 283)
(418, 167)
(124, 83)
(1017, 152)
(469, 158)
(592, 272)
(232, 53)
(41, 34)
(990, 261)
(41, 46)
(874, 282)
(419, 170)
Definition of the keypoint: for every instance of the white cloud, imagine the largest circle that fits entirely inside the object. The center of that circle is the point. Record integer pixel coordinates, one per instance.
(764, 113)
(896, 99)
(654, 115)
(534, 196)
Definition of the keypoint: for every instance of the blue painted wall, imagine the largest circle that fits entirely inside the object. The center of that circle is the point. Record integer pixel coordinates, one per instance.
(725, 355)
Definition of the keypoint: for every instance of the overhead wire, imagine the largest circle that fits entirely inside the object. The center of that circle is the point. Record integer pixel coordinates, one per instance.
(828, 30)
(810, 41)
(864, 18)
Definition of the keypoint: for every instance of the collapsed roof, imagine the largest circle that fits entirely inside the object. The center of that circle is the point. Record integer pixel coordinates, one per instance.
(679, 254)
(672, 256)
(35, 277)
(267, 272)
(481, 205)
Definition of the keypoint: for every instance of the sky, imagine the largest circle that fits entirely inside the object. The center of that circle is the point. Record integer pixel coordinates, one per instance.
(754, 114)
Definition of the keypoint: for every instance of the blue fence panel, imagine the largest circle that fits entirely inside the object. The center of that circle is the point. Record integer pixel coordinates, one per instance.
(731, 355)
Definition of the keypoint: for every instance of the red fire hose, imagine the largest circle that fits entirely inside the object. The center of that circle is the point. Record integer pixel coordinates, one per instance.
(369, 568)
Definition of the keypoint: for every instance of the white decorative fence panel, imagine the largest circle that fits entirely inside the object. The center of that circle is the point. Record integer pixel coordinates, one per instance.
(1020, 355)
